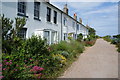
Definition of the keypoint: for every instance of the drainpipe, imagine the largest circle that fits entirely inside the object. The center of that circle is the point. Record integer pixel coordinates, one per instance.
(61, 27)
(76, 31)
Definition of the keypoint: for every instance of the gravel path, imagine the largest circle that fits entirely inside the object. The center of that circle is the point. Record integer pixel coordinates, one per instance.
(98, 61)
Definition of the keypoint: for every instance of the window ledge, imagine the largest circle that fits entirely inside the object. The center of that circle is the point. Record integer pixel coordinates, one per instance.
(19, 14)
(37, 19)
(49, 22)
(56, 24)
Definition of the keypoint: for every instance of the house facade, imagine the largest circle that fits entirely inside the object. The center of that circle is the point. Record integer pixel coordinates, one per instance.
(45, 20)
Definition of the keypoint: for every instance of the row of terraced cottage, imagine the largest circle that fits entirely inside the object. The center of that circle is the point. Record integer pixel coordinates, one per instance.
(45, 20)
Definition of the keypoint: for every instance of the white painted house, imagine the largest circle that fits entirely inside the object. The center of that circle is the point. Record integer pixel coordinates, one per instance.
(45, 20)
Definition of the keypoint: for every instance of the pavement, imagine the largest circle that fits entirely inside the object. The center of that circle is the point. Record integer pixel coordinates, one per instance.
(98, 61)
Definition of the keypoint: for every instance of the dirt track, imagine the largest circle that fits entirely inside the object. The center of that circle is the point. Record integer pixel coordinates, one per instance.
(98, 61)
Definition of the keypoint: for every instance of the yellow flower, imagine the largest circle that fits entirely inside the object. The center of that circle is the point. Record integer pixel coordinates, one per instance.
(60, 57)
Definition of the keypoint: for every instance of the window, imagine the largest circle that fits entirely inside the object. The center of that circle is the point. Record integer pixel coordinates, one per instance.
(55, 17)
(48, 14)
(77, 26)
(65, 36)
(22, 33)
(22, 7)
(47, 36)
(74, 25)
(65, 20)
(36, 9)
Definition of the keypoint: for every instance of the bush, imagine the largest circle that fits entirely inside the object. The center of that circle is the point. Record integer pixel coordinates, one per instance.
(18, 67)
(80, 37)
(65, 54)
(34, 46)
(118, 45)
(89, 43)
(107, 38)
(71, 48)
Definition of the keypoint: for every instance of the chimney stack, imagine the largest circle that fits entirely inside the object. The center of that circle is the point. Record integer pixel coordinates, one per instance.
(65, 9)
(81, 20)
(75, 16)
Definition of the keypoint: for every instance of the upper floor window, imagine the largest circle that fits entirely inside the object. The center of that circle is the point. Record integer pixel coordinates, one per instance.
(22, 33)
(77, 26)
(73, 25)
(48, 14)
(65, 21)
(36, 9)
(55, 17)
(21, 7)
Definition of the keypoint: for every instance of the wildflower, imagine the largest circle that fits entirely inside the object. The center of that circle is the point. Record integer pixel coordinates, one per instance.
(25, 60)
(1, 77)
(16, 65)
(4, 68)
(30, 58)
(36, 68)
(10, 63)
(10, 60)
(5, 60)
(15, 69)
(7, 63)
(0, 65)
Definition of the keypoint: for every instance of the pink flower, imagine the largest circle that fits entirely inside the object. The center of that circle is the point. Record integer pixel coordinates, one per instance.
(5, 60)
(7, 63)
(4, 68)
(0, 72)
(30, 58)
(41, 69)
(10, 63)
(1, 77)
(15, 69)
(25, 60)
(37, 68)
(16, 65)
(0, 65)
(10, 60)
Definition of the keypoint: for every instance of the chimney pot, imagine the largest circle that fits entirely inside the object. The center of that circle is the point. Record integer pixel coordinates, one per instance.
(75, 16)
(65, 9)
(81, 20)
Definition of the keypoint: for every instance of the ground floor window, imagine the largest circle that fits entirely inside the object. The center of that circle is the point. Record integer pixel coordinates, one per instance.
(22, 33)
(54, 37)
(47, 36)
(65, 36)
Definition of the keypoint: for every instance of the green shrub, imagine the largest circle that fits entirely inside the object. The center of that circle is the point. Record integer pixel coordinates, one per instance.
(80, 37)
(107, 38)
(65, 54)
(34, 46)
(118, 45)
(16, 67)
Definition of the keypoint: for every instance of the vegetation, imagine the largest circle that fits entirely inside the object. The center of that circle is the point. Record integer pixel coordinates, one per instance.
(32, 58)
(80, 37)
(91, 38)
(114, 40)
(107, 38)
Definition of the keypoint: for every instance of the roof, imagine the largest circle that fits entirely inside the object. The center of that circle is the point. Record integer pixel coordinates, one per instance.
(65, 14)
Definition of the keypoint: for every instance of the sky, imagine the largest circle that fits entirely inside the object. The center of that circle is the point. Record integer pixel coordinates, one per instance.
(101, 15)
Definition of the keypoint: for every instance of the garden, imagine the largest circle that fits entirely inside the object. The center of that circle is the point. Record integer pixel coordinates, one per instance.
(32, 58)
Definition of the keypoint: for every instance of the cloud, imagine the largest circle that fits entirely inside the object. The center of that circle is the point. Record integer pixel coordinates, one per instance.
(103, 16)
(84, 0)
(110, 9)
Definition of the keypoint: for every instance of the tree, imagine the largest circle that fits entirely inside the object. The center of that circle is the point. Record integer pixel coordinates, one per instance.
(8, 31)
(91, 31)
(10, 39)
